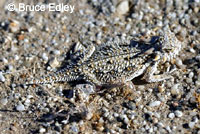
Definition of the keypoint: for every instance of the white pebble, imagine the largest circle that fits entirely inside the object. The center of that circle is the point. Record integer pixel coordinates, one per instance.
(27, 102)
(2, 78)
(198, 57)
(197, 83)
(175, 90)
(45, 57)
(155, 103)
(124, 118)
(168, 129)
(191, 124)
(16, 57)
(191, 74)
(42, 130)
(56, 52)
(150, 130)
(192, 50)
(123, 7)
(20, 107)
(4, 101)
(53, 62)
(5, 60)
(179, 62)
(106, 114)
(10, 67)
(116, 115)
(178, 113)
(171, 115)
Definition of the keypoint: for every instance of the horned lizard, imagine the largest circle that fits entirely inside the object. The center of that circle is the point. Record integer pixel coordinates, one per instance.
(119, 61)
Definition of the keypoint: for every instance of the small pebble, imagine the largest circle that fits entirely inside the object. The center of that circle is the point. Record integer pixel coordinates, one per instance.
(155, 103)
(123, 7)
(20, 107)
(56, 52)
(191, 124)
(116, 115)
(191, 74)
(178, 113)
(14, 26)
(189, 80)
(198, 57)
(124, 118)
(168, 129)
(4, 101)
(171, 115)
(197, 83)
(5, 61)
(175, 90)
(16, 57)
(53, 62)
(45, 57)
(89, 115)
(192, 50)
(131, 105)
(27, 102)
(42, 130)
(179, 62)
(2, 78)
(161, 89)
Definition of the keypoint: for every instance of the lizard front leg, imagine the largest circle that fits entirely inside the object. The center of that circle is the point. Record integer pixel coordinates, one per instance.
(150, 75)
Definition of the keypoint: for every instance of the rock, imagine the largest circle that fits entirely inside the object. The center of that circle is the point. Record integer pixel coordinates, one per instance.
(45, 57)
(171, 115)
(178, 113)
(191, 124)
(20, 107)
(2, 78)
(155, 103)
(175, 90)
(14, 26)
(56, 52)
(53, 62)
(124, 118)
(42, 130)
(179, 62)
(122, 7)
(191, 74)
(4, 101)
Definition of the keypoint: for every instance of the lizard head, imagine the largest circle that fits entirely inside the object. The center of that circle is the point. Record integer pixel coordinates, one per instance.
(171, 46)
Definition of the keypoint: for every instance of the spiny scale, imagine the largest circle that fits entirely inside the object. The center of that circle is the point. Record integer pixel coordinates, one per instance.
(116, 61)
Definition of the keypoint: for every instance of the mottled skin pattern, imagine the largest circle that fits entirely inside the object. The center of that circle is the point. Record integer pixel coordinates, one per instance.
(117, 61)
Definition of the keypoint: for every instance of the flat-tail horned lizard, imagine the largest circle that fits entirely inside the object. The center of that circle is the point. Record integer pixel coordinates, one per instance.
(119, 61)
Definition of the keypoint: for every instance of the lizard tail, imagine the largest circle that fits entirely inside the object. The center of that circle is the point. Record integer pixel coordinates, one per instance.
(53, 78)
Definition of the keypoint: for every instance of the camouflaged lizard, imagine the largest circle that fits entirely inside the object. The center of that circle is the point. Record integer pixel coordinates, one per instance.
(117, 62)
